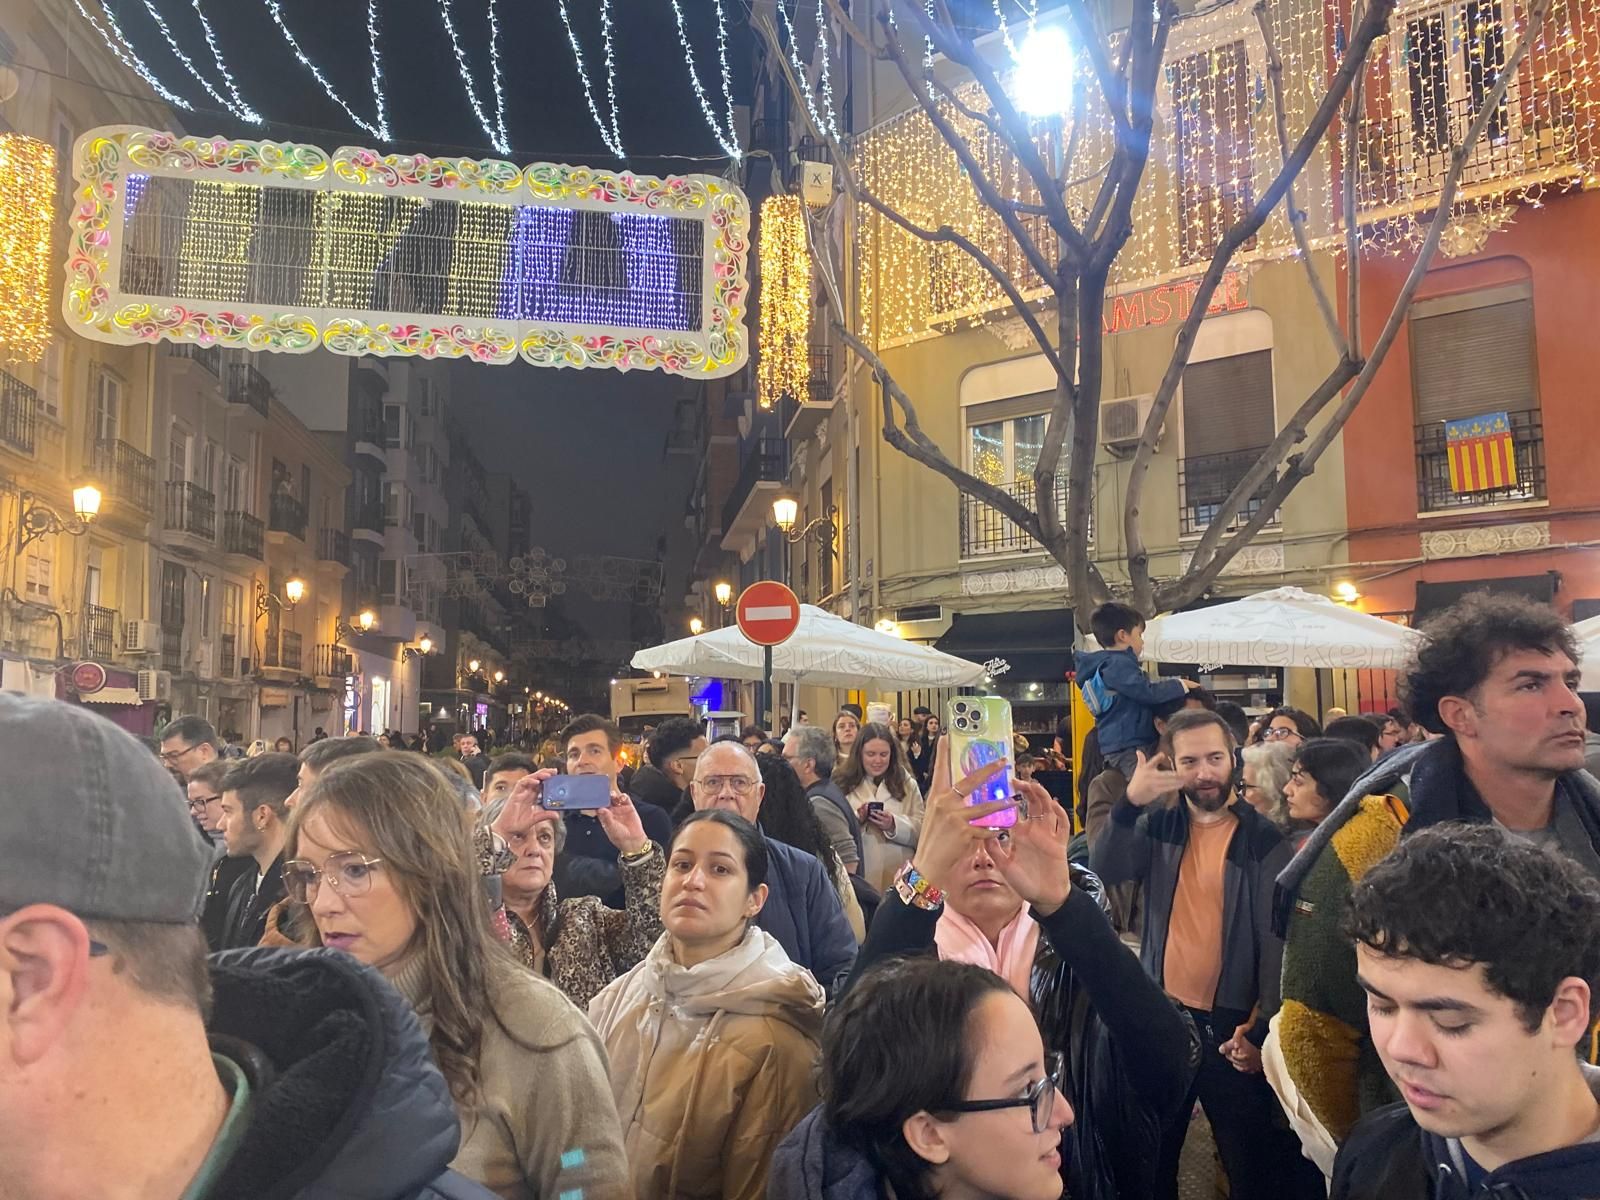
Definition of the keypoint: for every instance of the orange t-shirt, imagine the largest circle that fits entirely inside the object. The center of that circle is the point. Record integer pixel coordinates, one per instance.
(1193, 963)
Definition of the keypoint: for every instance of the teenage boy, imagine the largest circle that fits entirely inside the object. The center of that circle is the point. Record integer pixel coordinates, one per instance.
(1480, 957)
(1119, 694)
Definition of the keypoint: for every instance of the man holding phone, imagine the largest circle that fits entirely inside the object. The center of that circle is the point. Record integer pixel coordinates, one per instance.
(588, 864)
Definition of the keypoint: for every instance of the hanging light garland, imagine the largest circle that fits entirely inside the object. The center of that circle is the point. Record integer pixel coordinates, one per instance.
(378, 129)
(610, 132)
(784, 368)
(111, 34)
(27, 215)
(727, 137)
(232, 103)
(1215, 150)
(495, 132)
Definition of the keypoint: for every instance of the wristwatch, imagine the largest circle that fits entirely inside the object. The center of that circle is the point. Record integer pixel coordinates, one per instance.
(639, 855)
(915, 890)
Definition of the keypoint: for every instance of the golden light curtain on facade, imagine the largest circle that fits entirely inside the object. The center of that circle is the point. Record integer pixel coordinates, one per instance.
(1215, 149)
(785, 365)
(27, 213)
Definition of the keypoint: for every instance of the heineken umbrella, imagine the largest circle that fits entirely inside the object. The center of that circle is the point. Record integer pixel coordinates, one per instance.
(825, 651)
(1286, 627)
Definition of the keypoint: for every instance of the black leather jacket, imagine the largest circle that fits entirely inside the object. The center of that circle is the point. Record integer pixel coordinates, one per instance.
(1131, 1053)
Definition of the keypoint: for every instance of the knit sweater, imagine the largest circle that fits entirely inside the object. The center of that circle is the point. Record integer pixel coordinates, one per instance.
(544, 1124)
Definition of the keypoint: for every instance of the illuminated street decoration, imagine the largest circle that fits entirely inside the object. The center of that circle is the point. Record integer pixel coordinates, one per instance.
(27, 213)
(784, 366)
(282, 247)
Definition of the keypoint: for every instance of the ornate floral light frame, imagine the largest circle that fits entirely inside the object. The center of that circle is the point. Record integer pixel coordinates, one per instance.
(95, 305)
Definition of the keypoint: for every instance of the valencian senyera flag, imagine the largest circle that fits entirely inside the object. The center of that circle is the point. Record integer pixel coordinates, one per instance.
(1483, 455)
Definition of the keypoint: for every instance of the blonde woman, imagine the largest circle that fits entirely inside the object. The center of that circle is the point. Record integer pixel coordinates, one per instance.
(380, 854)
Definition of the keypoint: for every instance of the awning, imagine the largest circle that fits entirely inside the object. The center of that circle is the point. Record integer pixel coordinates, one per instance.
(113, 695)
(1037, 644)
(1434, 597)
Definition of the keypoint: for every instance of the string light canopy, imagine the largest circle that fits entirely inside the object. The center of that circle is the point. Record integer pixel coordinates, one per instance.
(784, 366)
(27, 216)
(1215, 149)
(283, 247)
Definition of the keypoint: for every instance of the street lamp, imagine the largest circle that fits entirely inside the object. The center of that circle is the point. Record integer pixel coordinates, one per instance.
(425, 644)
(499, 676)
(38, 518)
(696, 626)
(1042, 85)
(473, 666)
(724, 593)
(294, 590)
(785, 509)
(366, 619)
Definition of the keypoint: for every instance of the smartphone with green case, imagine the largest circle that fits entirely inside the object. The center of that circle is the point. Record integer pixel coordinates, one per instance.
(980, 732)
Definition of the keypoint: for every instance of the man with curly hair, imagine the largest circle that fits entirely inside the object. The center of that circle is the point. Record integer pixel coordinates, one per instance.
(1480, 957)
(1495, 680)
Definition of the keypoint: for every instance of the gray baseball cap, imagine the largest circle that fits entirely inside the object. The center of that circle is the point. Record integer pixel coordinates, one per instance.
(91, 821)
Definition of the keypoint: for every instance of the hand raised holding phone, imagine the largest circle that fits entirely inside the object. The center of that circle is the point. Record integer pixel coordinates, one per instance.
(948, 832)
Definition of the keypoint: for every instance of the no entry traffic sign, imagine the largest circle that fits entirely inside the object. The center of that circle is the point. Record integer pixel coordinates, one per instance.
(768, 613)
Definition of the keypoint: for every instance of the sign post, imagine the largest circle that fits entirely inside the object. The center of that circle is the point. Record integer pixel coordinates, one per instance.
(768, 613)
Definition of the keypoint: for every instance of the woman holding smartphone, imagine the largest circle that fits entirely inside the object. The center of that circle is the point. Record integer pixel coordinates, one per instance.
(877, 783)
(712, 1039)
(379, 852)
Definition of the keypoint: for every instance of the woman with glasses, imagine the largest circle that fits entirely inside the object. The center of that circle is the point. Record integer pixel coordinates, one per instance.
(877, 783)
(1008, 902)
(1323, 771)
(381, 856)
(579, 944)
(1290, 726)
(1265, 772)
(712, 1039)
(935, 1083)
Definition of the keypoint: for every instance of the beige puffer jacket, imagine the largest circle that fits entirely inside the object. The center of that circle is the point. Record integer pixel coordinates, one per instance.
(711, 1065)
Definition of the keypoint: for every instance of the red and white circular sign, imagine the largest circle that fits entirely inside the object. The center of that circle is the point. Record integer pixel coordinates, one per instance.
(88, 678)
(768, 613)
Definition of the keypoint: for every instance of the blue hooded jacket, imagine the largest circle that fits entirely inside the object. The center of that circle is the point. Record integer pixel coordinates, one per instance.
(1130, 723)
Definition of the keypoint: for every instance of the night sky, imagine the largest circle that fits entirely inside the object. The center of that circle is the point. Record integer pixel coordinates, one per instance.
(586, 444)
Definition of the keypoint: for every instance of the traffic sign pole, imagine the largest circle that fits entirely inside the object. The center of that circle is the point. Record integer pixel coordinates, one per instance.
(768, 614)
(767, 697)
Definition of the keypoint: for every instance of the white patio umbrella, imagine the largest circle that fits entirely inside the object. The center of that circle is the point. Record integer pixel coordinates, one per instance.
(1286, 627)
(1588, 632)
(825, 651)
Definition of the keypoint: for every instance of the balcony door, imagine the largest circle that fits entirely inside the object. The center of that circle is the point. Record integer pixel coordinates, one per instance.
(107, 415)
(1004, 441)
(1448, 57)
(1228, 419)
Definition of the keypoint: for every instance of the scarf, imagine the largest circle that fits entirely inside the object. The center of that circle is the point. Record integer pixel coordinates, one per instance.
(959, 940)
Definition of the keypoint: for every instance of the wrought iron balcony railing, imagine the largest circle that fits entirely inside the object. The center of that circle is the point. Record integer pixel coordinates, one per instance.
(191, 509)
(249, 387)
(986, 531)
(128, 474)
(99, 631)
(1206, 480)
(1434, 490)
(242, 534)
(287, 515)
(19, 413)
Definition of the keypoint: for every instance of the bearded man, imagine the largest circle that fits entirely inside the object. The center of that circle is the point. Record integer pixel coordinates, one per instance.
(1208, 862)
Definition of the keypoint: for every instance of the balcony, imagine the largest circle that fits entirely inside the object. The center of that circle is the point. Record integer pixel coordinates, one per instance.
(1434, 493)
(99, 627)
(228, 648)
(292, 645)
(366, 426)
(1206, 480)
(209, 358)
(128, 475)
(367, 521)
(333, 545)
(242, 534)
(805, 413)
(749, 507)
(987, 533)
(191, 510)
(249, 387)
(287, 514)
(19, 414)
(331, 661)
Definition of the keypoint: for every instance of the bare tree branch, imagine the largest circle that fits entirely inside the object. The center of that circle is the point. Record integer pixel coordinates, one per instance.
(1297, 216)
(1113, 83)
(1352, 230)
(1301, 465)
(917, 445)
(987, 120)
(854, 31)
(1373, 24)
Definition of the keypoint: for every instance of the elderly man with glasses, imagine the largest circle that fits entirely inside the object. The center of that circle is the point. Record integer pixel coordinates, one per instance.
(187, 744)
(802, 909)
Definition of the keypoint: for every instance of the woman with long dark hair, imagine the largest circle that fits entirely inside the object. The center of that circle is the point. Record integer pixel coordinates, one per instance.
(1323, 770)
(380, 854)
(712, 1039)
(787, 816)
(877, 783)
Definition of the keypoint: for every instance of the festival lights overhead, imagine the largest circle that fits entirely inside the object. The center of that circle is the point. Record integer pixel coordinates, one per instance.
(378, 129)
(27, 215)
(784, 368)
(610, 132)
(727, 135)
(231, 102)
(1215, 149)
(496, 131)
(111, 34)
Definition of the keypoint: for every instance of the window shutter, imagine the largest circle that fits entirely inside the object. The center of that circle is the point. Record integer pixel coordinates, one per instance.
(1473, 360)
(1013, 406)
(1227, 405)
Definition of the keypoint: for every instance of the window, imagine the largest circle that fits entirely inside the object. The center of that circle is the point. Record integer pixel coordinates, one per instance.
(1004, 440)
(49, 378)
(37, 574)
(388, 580)
(1211, 113)
(178, 454)
(305, 485)
(107, 426)
(61, 135)
(208, 466)
(93, 578)
(424, 397)
(393, 503)
(234, 489)
(391, 425)
(1452, 56)
(174, 577)
(1473, 354)
(1228, 419)
(206, 586)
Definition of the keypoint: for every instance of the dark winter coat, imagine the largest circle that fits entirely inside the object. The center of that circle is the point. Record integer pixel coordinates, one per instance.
(248, 906)
(803, 912)
(1129, 724)
(347, 1103)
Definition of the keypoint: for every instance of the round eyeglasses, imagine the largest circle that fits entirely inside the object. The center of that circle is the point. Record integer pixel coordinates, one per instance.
(736, 783)
(1039, 1097)
(349, 874)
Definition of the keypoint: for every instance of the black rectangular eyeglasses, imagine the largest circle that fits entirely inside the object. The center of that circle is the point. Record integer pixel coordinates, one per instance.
(1040, 1097)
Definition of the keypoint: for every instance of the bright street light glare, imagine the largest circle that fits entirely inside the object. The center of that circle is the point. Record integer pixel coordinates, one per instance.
(1042, 85)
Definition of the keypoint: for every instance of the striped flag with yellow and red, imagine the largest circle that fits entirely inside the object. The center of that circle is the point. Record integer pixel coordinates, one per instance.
(1483, 454)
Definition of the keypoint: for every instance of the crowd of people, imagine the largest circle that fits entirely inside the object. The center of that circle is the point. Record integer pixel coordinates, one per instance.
(796, 968)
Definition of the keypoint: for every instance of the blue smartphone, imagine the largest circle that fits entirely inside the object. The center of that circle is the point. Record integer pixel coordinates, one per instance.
(568, 792)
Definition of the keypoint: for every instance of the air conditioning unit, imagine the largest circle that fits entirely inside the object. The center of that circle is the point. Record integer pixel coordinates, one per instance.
(205, 659)
(141, 637)
(155, 685)
(816, 184)
(922, 622)
(1122, 423)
